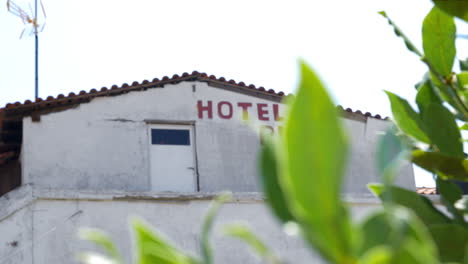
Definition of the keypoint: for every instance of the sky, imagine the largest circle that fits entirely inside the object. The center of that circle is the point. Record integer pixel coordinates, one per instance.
(90, 44)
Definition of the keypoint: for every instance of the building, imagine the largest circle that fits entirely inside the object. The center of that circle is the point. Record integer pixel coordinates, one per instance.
(159, 149)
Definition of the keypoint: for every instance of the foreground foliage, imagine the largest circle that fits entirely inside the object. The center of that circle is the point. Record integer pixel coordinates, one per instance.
(302, 172)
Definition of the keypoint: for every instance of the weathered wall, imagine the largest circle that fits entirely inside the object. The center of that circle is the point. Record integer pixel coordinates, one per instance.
(16, 227)
(47, 227)
(103, 145)
(364, 135)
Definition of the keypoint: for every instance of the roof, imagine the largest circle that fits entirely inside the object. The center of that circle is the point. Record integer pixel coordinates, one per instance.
(426, 190)
(61, 100)
(12, 114)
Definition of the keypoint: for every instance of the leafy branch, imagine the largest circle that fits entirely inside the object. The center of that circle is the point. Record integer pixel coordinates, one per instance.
(447, 80)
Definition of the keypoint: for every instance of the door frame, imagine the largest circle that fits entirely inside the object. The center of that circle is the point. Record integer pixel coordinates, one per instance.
(151, 123)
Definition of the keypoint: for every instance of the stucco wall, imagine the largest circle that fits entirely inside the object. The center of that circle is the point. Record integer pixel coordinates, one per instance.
(364, 136)
(103, 145)
(16, 227)
(46, 226)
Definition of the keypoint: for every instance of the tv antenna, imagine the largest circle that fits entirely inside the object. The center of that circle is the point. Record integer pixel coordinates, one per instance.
(32, 24)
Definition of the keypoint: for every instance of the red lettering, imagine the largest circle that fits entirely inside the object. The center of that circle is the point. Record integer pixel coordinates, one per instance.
(220, 110)
(208, 108)
(245, 112)
(262, 112)
(276, 113)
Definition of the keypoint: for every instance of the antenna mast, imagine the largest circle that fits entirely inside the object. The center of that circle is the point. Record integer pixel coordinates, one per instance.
(36, 52)
(30, 20)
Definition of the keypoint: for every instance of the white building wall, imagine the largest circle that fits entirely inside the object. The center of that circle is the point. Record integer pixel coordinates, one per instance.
(46, 227)
(363, 136)
(16, 227)
(103, 145)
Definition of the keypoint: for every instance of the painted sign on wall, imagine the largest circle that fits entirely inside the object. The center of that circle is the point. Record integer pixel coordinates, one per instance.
(225, 110)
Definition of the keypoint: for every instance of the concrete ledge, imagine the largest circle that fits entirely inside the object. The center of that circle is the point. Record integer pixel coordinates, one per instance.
(239, 197)
(27, 194)
(54, 194)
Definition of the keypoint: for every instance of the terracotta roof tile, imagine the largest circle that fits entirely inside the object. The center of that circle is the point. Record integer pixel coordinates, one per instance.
(83, 96)
(359, 112)
(426, 190)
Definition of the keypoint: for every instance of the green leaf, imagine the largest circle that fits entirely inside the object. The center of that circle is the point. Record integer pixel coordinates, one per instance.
(409, 45)
(377, 255)
(439, 34)
(442, 130)
(103, 240)
(464, 64)
(314, 155)
(244, 233)
(458, 8)
(464, 127)
(152, 248)
(452, 240)
(400, 234)
(419, 204)
(208, 226)
(462, 78)
(444, 91)
(450, 193)
(447, 167)
(426, 77)
(376, 232)
(406, 118)
(270, 182)
(390, 154)
(426, 95)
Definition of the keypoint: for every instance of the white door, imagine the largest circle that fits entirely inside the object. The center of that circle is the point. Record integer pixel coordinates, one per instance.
(172, 158)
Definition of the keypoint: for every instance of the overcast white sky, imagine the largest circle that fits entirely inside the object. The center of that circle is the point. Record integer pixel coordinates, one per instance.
(93, 43)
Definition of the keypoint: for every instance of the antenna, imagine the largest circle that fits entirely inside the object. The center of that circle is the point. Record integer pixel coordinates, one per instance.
(30, 19)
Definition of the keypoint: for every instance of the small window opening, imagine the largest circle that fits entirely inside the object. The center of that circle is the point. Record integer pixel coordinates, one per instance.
(170, 137)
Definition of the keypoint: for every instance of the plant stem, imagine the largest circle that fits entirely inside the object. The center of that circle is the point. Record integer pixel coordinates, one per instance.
(453, 90)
